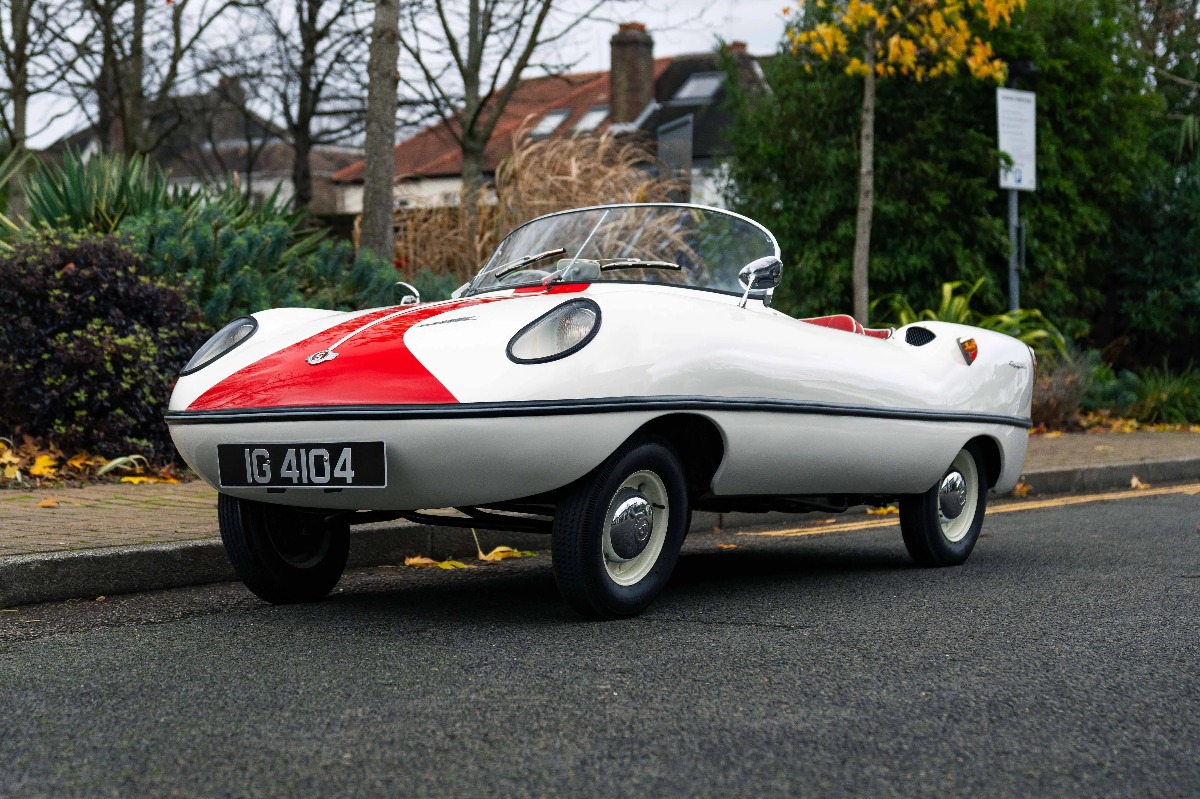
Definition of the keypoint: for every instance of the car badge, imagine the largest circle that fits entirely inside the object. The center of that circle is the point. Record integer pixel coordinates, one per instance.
(321, 357)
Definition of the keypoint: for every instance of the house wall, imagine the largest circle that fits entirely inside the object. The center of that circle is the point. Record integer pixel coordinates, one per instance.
(423, 193)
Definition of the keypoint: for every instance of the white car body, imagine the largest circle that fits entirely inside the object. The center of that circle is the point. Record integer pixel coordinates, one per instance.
(791, 414)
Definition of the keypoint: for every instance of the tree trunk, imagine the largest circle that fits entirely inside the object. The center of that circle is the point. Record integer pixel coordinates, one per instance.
(306, 105)
(473, 141)
(866, 188)
(377, 217)
(135, 84)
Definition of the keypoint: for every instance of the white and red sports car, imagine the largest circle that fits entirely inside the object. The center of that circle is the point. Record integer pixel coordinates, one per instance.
(609, 370)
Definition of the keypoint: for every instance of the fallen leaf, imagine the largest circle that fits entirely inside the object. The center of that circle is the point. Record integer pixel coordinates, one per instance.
(1138, 485)
(137, 481)
(889, 510)
(1021, 489)
(452, 564)
(727, 546)
(503, 553)
(43, 466)
(419, 560)
(50, 502)
(11, 472)
(1054, 434)
(101, 598)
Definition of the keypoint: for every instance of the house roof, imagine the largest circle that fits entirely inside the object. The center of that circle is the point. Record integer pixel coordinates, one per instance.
(433, 151)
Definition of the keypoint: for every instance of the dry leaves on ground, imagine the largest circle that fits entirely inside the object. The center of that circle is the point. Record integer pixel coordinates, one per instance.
(34, 463)
(1021, 489)
(420, 561)
(49, 502)
(727, 546)
(887, 510)
(1138, 485)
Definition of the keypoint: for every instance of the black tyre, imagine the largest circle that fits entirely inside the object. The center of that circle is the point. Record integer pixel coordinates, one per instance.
(617, 534)
(941, 526)
(282, 554)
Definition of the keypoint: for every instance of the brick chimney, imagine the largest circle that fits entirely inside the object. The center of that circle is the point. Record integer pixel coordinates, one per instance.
(632, 76)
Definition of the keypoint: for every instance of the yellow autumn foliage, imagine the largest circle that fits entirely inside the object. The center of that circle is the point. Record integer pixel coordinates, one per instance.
(918, 39)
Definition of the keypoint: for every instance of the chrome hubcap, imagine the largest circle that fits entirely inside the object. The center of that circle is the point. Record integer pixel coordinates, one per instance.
(631, 524)
(635, 527)
(953, 495)
(958, 496)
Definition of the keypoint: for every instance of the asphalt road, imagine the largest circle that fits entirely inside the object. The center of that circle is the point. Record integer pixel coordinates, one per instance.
(1059, 661)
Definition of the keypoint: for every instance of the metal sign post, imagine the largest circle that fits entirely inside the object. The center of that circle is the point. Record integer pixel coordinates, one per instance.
(1016, 114)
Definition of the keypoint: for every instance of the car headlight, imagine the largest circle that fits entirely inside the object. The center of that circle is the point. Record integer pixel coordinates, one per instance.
(225, 340)
(564, 330)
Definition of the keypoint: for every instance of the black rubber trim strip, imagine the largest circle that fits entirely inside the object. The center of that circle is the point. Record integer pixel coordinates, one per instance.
(571, 407)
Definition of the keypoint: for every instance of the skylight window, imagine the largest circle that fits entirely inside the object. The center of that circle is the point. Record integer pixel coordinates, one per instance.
(549, 123)
(592, 119)
(701, 86)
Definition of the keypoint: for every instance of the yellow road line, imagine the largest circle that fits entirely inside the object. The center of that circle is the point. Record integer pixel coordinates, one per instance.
(1008, 507)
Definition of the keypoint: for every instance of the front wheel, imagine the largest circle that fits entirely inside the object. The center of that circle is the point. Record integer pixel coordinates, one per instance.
(282, 554)
(941, 526)
(617, 535)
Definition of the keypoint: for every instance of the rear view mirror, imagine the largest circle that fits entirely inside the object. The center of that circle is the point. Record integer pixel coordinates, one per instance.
(761, 275)
(412, 296)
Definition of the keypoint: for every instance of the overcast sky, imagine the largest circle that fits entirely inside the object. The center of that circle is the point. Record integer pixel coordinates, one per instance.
(677, 27)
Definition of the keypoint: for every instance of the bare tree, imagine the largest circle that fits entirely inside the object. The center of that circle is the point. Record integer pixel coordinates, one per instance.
(469, 57)
(318, 48)
(377, 221)
(29, 36)
(128, 60)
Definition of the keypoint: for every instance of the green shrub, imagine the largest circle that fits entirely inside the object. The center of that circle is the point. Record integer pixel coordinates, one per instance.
(1164, 397)
(90, 346)
(235, 261)
(1109, 390)
(98, 194)
(1026, 324)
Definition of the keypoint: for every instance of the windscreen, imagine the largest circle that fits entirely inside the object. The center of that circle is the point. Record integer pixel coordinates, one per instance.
(679, 245)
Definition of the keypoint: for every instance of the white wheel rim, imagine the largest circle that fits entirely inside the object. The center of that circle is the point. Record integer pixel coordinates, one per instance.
(628, 572)
(956, 529)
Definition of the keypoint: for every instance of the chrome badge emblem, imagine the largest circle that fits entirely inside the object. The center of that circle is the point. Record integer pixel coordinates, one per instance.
(321, 357)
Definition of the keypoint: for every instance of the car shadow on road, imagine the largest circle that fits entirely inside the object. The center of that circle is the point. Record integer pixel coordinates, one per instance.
(524, 593)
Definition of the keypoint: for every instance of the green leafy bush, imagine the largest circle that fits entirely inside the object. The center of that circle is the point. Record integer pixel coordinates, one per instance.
(99, 193)
(90, 345)
(1028, 325)
(233, 262)
(1165, 397)
(1109, 390)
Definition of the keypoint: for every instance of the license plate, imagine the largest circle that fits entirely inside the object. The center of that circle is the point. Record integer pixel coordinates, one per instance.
(357, 464)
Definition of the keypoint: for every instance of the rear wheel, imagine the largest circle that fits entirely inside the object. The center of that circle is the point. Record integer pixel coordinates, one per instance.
(941, 526)
(617, 535)
(282, 554)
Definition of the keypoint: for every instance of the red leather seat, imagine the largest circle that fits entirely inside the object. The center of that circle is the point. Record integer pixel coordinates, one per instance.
(848, 324)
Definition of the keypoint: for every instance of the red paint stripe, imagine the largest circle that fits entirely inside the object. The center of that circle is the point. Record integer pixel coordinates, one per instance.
(373, 367)
(556, 288)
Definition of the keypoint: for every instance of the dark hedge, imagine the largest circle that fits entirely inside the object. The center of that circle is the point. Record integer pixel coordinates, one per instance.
(90, 346)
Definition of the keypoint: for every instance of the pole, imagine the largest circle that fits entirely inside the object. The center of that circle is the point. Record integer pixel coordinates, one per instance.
(1014, 278)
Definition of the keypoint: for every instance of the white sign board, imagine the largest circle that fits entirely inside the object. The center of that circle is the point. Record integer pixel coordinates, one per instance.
(1016, 112)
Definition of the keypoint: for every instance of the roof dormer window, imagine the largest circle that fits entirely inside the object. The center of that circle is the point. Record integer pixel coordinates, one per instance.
(549, 123)
(592, 119)
(701, 86)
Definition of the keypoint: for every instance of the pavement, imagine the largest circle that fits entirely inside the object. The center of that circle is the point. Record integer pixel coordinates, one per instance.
(64, 543)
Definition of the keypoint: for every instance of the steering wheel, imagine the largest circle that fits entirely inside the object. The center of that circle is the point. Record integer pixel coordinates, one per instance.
(524, 276)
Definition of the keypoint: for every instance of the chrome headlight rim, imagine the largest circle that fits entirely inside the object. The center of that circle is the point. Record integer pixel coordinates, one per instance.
(193, 366)
(578, 302)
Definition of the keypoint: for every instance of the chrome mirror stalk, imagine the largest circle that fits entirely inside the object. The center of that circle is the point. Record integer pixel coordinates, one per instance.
(763, 274)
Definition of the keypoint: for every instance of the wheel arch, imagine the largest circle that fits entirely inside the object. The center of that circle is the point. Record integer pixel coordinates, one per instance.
(993, 458)
(698, 441)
